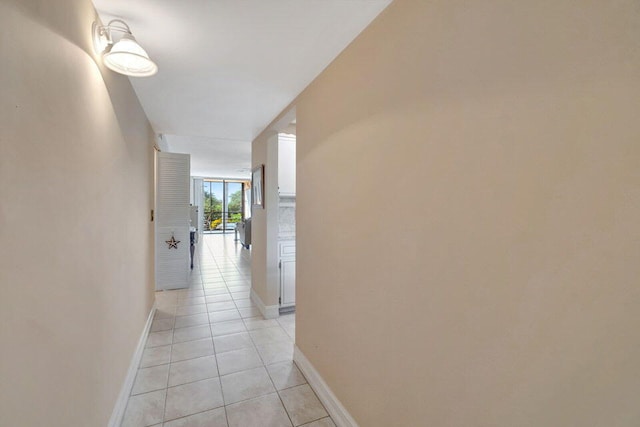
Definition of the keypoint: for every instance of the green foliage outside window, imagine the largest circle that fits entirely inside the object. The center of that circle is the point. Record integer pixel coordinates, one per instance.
(235, 202)
(213, 208)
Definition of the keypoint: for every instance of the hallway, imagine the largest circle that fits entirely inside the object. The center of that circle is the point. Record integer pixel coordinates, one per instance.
(212, 360)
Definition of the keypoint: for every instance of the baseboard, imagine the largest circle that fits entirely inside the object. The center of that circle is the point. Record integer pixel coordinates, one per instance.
(125, 391)
(338, 413)
(268, 311)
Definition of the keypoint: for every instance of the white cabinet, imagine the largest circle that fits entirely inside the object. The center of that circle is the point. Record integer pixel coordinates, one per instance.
(287, 254)
(287, 165)
(287, 283)
(286, 218)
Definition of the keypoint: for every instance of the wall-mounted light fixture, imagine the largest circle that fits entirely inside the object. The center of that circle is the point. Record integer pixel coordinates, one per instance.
(124, 56)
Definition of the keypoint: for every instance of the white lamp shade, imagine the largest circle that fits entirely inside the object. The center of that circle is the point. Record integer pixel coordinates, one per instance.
(129, 58)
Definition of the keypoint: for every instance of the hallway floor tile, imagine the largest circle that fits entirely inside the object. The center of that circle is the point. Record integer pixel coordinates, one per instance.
(212, 360)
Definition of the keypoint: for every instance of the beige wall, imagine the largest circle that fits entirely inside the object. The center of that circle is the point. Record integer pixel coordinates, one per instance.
(259, 228)
(265, 280)
(76, 161)
(265, 274)
(468, 201)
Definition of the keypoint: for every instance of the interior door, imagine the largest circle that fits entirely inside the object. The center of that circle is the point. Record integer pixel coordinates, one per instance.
(172, 221)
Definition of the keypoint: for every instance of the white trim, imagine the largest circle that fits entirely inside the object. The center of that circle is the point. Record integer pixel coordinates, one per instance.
(123, 397)
(268, 311)
(338, 413)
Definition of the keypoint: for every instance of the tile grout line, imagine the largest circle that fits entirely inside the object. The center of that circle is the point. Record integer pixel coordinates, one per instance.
(166, 394)
(200, 292)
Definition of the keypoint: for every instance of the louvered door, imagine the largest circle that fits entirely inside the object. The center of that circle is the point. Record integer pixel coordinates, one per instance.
(172, 220)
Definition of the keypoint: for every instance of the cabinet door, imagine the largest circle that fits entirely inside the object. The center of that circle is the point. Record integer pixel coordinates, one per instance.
(288, 283)
(286, 165)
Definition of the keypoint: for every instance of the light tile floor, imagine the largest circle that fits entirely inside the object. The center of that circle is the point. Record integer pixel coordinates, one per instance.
(212, 360)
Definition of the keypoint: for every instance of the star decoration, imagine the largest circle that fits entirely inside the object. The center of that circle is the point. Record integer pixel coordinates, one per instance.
(173, 243)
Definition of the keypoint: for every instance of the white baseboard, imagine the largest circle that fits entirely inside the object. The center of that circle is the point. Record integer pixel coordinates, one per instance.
(338, 413)
(268, 311)
(125, 391)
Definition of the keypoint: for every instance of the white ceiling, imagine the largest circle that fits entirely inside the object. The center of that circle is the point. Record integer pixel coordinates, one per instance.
(227, 68)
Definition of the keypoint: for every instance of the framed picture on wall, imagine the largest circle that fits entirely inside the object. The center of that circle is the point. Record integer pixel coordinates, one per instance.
(257, 187)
